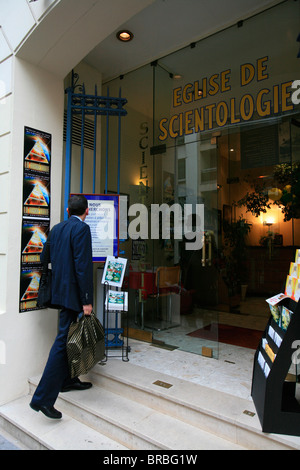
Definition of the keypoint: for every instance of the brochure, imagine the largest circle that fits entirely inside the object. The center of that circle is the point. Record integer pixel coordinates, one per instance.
(296, 293)
(275, 312)
(274, 336)
(276, 299)
(262, 362)
(281, 314)
(114, 271)
(116, 300)
(289, 286)
(285, 317)
(270, 352)
(294, 270)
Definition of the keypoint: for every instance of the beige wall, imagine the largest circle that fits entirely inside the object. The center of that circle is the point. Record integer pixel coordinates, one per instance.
(26, 336)
(33, 65)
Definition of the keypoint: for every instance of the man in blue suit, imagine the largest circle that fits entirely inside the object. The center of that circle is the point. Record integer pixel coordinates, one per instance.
(72, 289)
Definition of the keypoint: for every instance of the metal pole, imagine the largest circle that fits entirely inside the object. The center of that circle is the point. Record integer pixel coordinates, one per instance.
(68, 152)
(95, 140)
(107, 139)
(82, 140)
(119, 147)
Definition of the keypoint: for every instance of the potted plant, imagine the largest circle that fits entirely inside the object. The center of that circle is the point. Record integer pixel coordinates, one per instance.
(255, 202)
(235, 252)
(286, 193)
(287, 177)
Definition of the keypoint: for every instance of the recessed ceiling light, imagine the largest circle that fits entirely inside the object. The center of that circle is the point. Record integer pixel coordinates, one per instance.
(125, 35)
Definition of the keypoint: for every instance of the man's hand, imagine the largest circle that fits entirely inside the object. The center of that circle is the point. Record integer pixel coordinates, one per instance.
(87, 309)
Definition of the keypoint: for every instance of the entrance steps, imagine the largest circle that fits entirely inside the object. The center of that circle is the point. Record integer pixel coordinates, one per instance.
(132, 407)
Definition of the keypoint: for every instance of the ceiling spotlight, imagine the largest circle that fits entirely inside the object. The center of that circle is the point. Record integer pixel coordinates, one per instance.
(124, 35)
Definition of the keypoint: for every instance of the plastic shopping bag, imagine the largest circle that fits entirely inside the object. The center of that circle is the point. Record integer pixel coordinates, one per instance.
(85, 345)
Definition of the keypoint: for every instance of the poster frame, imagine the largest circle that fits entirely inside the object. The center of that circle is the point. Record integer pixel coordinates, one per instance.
(115, 244)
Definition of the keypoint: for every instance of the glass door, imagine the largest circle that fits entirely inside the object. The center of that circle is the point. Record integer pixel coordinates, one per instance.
(261, 224)
(185, 191)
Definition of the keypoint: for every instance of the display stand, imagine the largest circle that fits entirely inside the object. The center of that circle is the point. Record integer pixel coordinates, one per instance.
(116, 344)
(274, 397)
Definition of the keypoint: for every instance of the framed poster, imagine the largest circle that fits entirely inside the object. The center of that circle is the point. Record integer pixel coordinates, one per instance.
(103, 219)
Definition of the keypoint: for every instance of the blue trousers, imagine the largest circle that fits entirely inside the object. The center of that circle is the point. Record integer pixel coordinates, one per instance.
(56, 373)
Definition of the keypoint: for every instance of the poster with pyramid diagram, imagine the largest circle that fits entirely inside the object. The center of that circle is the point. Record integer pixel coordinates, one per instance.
(36, 196)
(34, 236)
(30, 281)
(35, 244)
(37, 150)
(38, 153)
(36, 213)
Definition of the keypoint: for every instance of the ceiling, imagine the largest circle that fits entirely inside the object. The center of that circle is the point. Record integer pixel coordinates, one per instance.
(166, 26)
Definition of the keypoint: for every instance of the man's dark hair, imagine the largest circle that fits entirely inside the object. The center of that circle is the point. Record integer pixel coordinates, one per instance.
(77, 204)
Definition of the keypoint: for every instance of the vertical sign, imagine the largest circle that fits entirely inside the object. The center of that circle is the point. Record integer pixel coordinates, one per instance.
(36, 213)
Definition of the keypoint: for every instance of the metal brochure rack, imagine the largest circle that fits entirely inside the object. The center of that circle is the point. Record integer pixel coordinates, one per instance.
(116, 343)
(275, 397)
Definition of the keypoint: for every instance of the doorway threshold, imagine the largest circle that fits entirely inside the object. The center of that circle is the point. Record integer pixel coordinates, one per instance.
(161, 344)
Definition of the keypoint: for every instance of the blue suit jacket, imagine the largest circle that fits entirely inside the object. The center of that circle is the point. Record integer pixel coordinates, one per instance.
(72, 265)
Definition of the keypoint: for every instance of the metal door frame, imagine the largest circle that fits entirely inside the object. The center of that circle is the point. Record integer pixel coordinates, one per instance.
(90, 105)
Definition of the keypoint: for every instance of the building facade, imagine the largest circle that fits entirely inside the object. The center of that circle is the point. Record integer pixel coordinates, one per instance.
(211, 122)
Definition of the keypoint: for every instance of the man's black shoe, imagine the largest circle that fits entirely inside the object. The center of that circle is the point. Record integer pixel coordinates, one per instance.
(78, 385)
(48, 411)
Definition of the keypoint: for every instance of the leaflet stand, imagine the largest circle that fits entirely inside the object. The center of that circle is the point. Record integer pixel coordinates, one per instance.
(113, 333)
(274, 397)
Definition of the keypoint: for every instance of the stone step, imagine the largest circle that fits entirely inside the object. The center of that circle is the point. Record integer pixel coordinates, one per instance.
(133, 407)
(134, 425)
(222, 414)
(9, 442)
(36, 432)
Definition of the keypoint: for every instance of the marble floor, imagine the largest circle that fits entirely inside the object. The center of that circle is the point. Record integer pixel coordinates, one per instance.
(253, 314)
(178, 355)
(230, 373)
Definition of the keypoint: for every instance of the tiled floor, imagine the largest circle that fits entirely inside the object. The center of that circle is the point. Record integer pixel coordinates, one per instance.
(179, 336)
(230, 370)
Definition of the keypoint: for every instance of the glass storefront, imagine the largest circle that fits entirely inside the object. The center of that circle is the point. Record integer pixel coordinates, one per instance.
(210, 128)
